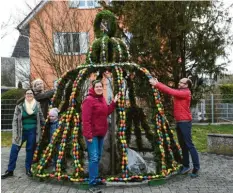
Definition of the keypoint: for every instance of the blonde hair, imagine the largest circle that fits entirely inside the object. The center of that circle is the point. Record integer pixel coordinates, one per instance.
(35, 81)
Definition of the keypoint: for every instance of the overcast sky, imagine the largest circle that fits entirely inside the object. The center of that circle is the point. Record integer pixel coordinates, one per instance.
(12, 12)
(16, 10)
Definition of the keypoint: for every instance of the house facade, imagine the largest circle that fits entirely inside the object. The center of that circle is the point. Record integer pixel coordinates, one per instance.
(22, 62)
(59, 34)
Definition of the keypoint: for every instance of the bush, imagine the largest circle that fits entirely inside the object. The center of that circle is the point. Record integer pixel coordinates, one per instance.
(227, 91)
(13, 94)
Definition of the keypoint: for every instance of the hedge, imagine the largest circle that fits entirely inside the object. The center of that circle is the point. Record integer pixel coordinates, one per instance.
(227, 92)
(13, 94)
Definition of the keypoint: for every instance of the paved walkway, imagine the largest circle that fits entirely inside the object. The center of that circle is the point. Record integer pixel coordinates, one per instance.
(216, 176)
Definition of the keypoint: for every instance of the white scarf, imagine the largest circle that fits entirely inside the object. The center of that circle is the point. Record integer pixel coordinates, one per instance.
(30, 106)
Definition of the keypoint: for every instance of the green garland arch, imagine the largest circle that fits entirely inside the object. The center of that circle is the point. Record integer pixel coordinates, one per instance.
(112, 53)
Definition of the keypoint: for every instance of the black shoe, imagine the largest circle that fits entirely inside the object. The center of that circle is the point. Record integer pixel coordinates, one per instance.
(7, 174)
(29, 173)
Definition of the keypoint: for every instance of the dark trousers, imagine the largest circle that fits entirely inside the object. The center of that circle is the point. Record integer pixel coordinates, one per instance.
(185, 140)
(30, 137)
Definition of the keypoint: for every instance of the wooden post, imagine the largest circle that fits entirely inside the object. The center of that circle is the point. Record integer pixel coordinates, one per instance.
(113, 124)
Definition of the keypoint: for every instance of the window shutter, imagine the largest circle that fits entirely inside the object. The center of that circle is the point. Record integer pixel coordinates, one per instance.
(58, 43)
(76, 43)
(67, 42)
(83, 42)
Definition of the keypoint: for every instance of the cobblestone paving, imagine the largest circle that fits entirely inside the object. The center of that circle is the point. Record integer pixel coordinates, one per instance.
(216, 176)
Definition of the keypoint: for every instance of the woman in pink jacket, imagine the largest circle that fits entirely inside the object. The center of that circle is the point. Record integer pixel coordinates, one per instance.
(94, 127)
(183, 117)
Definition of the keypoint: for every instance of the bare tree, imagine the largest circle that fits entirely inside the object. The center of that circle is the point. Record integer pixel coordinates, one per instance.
(22, 72)
(59, 38)
(7, 72)
(5, 27)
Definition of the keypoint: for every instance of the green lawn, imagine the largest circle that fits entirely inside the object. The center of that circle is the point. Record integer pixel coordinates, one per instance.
(199, 135)
(6, 138)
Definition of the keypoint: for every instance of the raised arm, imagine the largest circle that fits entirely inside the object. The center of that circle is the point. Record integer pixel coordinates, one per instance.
(174, 92)
(111, 107)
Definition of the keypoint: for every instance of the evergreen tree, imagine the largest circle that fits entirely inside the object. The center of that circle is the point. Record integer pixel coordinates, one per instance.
(176, 39)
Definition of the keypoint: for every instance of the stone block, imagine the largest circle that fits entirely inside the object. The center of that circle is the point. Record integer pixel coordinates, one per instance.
(220, 143)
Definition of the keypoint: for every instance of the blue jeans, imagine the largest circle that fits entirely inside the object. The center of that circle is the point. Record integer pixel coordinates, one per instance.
(185, 140)
(30, 137)
(94, 155)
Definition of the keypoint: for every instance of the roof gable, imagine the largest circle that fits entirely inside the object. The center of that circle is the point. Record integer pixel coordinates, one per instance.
(21, 49)
(31, 15)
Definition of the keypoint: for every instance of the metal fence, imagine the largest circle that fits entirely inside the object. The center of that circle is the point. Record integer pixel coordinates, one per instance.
(212, 109)
(215, 108)
(7, 113)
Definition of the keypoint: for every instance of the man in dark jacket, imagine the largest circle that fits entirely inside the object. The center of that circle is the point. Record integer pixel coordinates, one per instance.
(183, 117)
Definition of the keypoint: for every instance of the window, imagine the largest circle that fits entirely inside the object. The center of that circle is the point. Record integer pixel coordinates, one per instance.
(70, 43)
(86, 4)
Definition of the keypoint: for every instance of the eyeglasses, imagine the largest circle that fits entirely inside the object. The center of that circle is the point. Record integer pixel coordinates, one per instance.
(183, 82)
(29, 93)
